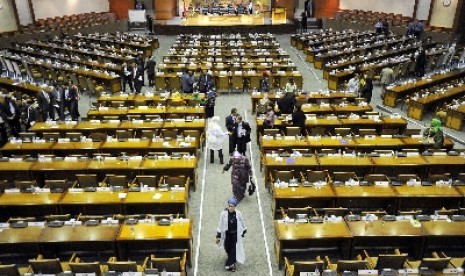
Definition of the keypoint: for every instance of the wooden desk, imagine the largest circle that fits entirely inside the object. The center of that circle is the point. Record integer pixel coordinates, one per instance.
(427, 197)
(140, 146)
(92, 203)
(343, 163)
(20, 241)
(454, 118)
(445, 164)
(108, 126)
(15, 170)
(82, 147)
(99, 239)
(443, 235)
(305, 235)
(57, 169)
(33, 148)
(156, 202)
(302, 197)
(28, 204)
(182, 166)
(379, 235)
(152, 237)
(366, 197)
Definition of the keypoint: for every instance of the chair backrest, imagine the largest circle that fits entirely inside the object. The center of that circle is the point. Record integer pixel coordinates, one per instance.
(292, 131)
(344, 176)
(3, 185)
(172, 133)
(300, 267)
(351, 265)
(367, 131)
(293, 212)
(437, 264)
(392, 261)
(343, 131)
(124, 134)
(51, 136)
(87, 180)
(122, 266)
(98, 136)
(271, 131)
(73, 136)
(57, 184)
(148, 133)
(174, 180)
(27, 136)
(117, 180)
(167, 264)
(283, 175)
(23, 185)
(315, 176)
(437, 177)
(149, 180)
(86, 268)
(46, 266)
(9, 270)
(338, 212)
(372, 178)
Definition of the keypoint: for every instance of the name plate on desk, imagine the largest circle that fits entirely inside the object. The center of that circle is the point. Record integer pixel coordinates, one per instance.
(103, 189)
(110, 221)
(452, 271)
(43, 190)
(75, 190)
(134, 140)
(36, 223)
(352, 183)
(138, 121)
(63, 140)
(408, 271)
(71, 122)
(73, 222)
(71, 158)
(4, 225)
(12, 191)
(309, 274)
(382, 183)
(178, 189)
(103, 108)
(95, 122)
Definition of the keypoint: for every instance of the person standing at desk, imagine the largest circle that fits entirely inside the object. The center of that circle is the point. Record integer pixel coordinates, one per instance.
(299, 118)
(241, 134)
(215, 139)
(150, 68)
(421, 62)
(291, 86)
(187, 82)
(43, 100)
(139, 79)
(367, 91)
(205, 81)
(72, 96)
(286, 103)
(127, 73)
(230, 231)
(230, 123)
(250, 7)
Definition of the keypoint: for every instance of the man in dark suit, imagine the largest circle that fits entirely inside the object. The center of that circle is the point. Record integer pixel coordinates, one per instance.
(13, 115)
(150, 68)
(43, 100)
(230, 124)
(205, 81)
(299, 118)
(139, 79)
(127, 76)
(241, 134)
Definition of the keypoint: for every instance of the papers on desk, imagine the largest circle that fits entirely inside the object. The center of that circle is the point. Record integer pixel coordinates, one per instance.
(71, 158)
(385, 136)
(73, 222)
(12, 191)
(42, 190)
(135, 158)
(63, 140)
(352, 182)
(157, 196)
(36, 223)
(382, 183)
(40, 141)
(103, 189)
(75, 190)
(110, 221)
(281, 184)
(96, 122)
(4, 225)
(133, 140)
(71, 122)
(103, 108)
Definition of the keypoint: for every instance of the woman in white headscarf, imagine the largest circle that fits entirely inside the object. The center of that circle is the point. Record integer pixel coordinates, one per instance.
(215, 138)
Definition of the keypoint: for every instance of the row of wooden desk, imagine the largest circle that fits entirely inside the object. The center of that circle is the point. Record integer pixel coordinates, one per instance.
(330, 122)
(112, 239)
(102, 202)
(115, 147)
(351, 237)
(362, 165)
(110, 126)
(66, 169)
(139, 111)
(359, 143)
(389, 198)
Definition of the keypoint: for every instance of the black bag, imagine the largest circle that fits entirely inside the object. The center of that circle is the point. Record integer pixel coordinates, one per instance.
(251, 187)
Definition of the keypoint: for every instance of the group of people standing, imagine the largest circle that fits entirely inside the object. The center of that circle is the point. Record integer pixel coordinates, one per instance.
(133, 74)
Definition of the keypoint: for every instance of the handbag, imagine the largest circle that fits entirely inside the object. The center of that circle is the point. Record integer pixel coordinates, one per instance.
(252, 187)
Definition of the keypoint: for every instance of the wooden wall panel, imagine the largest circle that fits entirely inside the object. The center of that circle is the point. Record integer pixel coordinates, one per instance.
(289, 5)
(121, 7)
(326, 8)
(165, 9)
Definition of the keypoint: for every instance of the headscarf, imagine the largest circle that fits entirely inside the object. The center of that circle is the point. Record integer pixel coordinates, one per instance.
(232, 201)
(214, 121)
(436, 124)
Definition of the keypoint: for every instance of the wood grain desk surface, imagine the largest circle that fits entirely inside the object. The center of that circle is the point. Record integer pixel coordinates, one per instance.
(364, 191)
(80, 233)
(153, 231)
(380, 228)
(298, 231)
(13, 199)
(303, 192)
(433, 191)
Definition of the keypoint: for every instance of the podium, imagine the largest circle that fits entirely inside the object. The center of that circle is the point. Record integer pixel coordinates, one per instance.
(278, 15)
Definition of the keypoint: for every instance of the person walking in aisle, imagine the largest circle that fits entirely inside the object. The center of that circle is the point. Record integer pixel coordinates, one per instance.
(240, 175)
(150, 68)
(230, 123)
(215, 139)
(241, 134)
(231, 230)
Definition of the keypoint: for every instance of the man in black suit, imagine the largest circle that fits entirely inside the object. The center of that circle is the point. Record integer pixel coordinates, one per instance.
(139, 79)
(241, 134)
(127, 76)
(205, 81)
(43, 100)
(299, 118)
(230, 124)
(150, 68)
(13, 115)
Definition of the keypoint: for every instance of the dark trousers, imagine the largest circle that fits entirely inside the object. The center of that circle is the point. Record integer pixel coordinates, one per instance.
(60, 109)
(151, 76)
(232, 144)
(241, 145)
(230, 247)
(212, 156)
(127, 80)
(138, 86)
(72, 105)
(15, 127)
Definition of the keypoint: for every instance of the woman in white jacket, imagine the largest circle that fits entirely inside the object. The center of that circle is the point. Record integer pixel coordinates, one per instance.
(215, 138)
(230, 232)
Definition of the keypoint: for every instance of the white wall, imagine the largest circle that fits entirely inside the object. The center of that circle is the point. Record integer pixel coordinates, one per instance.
(423, 9)
(24, 13)
(404, 7)
(443, 16)
(52, 8)
(7, 16)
